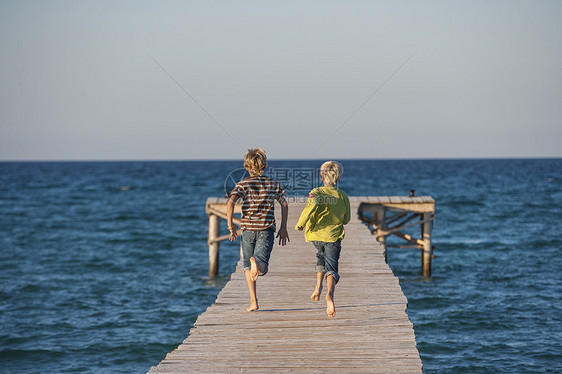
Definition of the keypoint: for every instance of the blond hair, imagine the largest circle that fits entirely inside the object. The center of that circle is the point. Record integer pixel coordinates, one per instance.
(331, 171)
(255, 161)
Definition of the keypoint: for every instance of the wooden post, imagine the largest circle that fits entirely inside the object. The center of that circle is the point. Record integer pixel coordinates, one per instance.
(214, 231)
(426, 250)
(241, 250)
(379, 219)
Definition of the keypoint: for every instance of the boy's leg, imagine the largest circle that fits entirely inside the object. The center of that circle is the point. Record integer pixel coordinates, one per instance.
(254, 272)
(320, 270)
(262, 245)
(248, 245)
(330, 306)
(252, 288)
(332, 253)
(332, 256)
(262, 251)
(318, 289)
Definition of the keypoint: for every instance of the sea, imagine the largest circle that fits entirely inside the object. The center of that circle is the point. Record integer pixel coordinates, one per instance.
(104, 265)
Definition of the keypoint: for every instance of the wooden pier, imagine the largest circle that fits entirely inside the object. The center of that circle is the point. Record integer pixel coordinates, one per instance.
(391, 215)
(371, 332)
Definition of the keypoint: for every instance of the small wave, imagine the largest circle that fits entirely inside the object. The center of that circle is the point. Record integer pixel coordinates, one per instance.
(30, 354)
(463, 202)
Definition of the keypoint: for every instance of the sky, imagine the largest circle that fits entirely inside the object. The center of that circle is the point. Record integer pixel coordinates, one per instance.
(180, 80)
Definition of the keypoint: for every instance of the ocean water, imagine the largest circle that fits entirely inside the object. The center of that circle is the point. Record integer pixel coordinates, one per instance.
(103, 265)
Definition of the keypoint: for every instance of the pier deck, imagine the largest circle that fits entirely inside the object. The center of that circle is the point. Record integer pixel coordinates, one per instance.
(371, 332)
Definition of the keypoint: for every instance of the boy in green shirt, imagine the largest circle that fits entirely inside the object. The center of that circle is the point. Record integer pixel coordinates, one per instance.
(326, 211)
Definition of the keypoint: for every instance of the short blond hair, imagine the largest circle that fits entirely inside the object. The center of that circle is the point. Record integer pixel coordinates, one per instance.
(255, 161)
(331, 171)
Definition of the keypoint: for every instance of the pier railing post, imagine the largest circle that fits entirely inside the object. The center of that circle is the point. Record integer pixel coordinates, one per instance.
(379, 219)
(426, 250)
(214, 231)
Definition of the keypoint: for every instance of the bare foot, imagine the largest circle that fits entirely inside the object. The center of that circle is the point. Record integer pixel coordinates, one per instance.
(316, 294)
(253, 270)
(252, 308)
(330, 307)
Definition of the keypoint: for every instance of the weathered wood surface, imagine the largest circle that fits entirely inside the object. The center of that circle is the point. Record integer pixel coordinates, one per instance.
(371, 332)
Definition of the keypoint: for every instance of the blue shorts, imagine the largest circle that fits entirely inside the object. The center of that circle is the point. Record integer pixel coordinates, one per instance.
(328, 256)
(257, 244)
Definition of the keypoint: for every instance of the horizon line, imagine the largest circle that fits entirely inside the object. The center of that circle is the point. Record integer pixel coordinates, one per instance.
(288, 159)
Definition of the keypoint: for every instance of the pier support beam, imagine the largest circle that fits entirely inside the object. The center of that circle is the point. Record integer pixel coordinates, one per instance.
(380, 224)
(426, 251)
(214, 231)
(392, 215)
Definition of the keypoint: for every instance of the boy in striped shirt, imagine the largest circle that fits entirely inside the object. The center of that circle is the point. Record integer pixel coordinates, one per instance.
(258, 195)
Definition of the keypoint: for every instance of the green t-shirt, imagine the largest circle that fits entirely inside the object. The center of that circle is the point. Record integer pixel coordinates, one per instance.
(326, 211)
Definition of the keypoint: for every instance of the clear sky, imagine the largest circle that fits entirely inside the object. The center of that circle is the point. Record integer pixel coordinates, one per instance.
(121, 80)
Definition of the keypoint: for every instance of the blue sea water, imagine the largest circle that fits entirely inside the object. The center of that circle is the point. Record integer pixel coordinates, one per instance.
(103, 265)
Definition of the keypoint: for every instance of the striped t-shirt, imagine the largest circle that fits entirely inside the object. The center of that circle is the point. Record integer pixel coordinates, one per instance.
(258, 198)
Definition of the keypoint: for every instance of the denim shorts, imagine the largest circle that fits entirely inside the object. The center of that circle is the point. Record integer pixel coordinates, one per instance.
(327, 257)
(257, 244)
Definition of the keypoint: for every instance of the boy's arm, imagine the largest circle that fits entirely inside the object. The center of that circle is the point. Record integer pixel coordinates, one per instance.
(305, 215)
(282, 234)
(347, 216)
(229, 213)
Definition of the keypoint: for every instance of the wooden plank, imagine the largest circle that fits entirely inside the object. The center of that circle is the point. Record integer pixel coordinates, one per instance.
(418, 199)
(373, 199)
(356, 199)
(384, 199)
(395, 199)
(211, 200)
